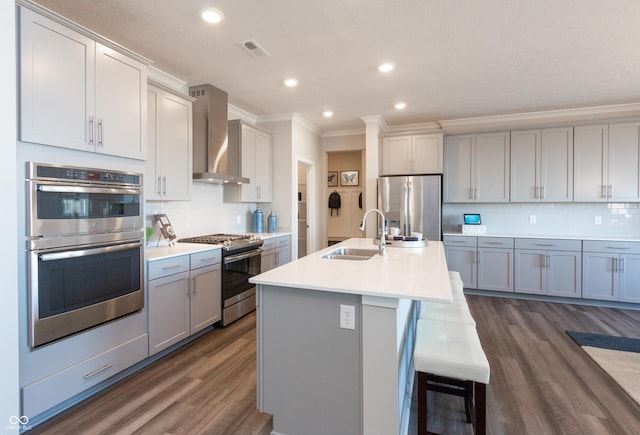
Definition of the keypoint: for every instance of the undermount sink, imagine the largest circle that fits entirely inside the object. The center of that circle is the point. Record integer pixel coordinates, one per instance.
(350, 254)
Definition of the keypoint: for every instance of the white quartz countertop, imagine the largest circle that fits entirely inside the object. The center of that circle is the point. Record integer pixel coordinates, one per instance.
(164, 251)
(160, 252)
(632, 238)
(404, 273)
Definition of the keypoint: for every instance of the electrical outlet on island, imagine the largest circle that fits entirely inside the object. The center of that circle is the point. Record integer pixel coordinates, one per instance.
(347, 317)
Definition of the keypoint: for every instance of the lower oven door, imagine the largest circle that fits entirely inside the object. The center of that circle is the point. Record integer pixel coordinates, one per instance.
(75, 288)
(238, 294)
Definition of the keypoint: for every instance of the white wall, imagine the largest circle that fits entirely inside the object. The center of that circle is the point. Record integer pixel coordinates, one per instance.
(9, 393)
(306, 147)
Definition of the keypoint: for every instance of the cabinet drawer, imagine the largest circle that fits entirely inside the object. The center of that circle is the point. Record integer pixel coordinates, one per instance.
(611, 246)
(205, 258)
(53, 390)
(495, 242)
(549, 244)
(167, 266)
(460, 241)
(283, 241)
(269, 243)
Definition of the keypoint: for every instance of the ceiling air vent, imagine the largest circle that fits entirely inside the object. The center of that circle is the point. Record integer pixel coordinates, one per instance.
(253, 48)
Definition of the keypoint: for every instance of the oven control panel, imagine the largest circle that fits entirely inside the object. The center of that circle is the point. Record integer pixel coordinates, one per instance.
(54, 172)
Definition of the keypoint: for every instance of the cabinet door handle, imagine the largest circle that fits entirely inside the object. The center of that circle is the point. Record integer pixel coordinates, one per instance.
(614, 264)
(159, 185)
(609, 191)
(100, 370)
(621, 265)
(548, 261)
(541, 192)
(100, 132)
(91, 132)
(208, 259)
(193, 286)
(164, 185)
(173, 266)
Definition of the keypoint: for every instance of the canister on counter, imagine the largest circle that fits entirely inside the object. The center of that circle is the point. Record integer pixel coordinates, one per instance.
(258, 221)
(272, 222)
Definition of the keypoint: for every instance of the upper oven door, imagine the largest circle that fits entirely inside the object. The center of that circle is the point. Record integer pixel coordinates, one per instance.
(61, 208)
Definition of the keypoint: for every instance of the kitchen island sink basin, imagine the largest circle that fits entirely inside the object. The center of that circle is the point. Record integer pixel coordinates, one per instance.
(350, 254)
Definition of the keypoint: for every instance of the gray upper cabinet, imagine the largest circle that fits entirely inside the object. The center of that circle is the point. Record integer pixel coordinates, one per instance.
(254, 157)
(168, 167)
(607, 163)
(407, 155)
(542, 165)
(89, 97)
(476, 168)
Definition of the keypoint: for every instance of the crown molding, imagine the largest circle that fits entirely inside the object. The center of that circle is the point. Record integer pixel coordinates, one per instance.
(376, 119)
(541, 118)
(339, 133)
(293, 117)
(235, 112)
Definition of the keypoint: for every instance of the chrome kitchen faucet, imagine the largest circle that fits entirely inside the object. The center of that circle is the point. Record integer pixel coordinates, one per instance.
(383, 244)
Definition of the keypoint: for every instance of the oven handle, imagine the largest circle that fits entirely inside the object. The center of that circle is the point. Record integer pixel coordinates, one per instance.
(85, 252)
(83, 189)
(242, 256)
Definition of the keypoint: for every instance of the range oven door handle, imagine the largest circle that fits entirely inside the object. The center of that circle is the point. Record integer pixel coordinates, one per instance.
(242, 256)
(92, 189)
(85, 252)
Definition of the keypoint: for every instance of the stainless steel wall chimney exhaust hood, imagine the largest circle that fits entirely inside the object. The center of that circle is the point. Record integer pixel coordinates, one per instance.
(210, 138)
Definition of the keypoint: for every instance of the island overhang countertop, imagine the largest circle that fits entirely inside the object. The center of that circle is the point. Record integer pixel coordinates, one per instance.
(404, 273)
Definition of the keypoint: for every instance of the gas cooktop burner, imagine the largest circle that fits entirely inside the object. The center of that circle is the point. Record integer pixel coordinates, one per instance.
(229, 242)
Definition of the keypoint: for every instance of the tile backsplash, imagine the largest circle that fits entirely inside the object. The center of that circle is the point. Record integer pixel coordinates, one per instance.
(206, 213)
(571, 219)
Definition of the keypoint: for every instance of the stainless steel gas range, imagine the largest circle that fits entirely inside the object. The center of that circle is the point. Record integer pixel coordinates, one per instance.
(241, 257)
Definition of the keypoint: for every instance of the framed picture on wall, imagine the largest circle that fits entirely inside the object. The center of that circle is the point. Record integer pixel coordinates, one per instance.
(349, 178)
(332, 178)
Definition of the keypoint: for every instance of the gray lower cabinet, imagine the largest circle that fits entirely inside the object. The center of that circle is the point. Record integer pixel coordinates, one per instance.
(611, 271)
(548, 267)
(461, 253)
(184, 297)
(495, 263)
(283, 250)
(268, 259)
(276, 251)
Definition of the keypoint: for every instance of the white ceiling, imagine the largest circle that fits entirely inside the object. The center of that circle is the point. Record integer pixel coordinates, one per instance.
(454, 58)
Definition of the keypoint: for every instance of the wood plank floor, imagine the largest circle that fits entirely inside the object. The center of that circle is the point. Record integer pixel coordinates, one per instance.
(206, 387)
(541, 382)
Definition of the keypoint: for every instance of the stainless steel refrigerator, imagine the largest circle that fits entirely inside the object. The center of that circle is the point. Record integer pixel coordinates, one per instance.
(413, 204)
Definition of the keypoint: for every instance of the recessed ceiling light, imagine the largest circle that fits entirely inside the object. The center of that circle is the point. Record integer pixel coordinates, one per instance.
(400, 106)
(213, 16)
(291, 82)
(327, 113)
(386, 67)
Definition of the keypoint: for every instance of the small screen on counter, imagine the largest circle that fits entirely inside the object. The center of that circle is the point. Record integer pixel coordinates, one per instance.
(472, 219)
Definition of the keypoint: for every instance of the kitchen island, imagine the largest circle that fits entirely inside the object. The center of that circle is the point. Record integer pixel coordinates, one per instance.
(317, 376)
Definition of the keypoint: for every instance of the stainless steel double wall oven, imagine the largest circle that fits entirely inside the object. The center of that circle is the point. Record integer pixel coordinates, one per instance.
(85, 243)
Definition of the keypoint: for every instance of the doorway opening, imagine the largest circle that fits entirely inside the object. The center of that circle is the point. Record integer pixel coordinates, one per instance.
(305, 188)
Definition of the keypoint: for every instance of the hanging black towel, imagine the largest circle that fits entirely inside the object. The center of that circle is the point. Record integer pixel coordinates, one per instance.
(334, 202)
(360, 200)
